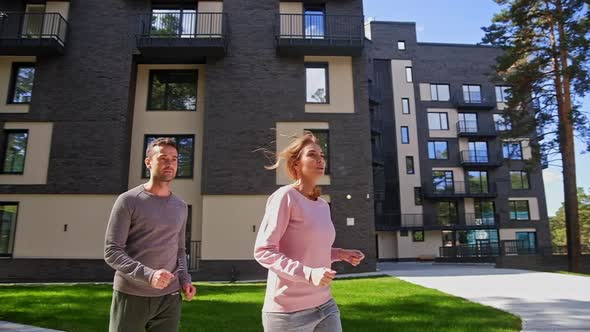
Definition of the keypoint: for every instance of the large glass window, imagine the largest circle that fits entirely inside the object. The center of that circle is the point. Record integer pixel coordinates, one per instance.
(485, 212)
(316, 83)
(446, 212)
(502, 94)
(519, 210)
(512, 150)
(15, 151)
(468, 122)
(478, 182)
(442, 181)
(502, 123)
(478, 152)
(8, 213)
(519, 180)
(21, 91)
(440, 92)
(173, 90)
(438, 121)
(438, 150)
(314, 22)
(472, 93)
(186, 151)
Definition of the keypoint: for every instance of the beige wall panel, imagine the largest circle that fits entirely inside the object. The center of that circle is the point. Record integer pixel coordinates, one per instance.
(209, 24)
(340, 86)
(387, 242)
(169, 123)
(41, 219)
(403, 89)
(425, 92)
(469, 205)
(38, 151)
(285, 133)
(62, 7)
(291, 26)
(5, 75)
(409, 249)
(228, 222)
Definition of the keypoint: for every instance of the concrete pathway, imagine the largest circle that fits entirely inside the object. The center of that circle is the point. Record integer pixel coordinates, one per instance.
(544, 301)
(12, 327)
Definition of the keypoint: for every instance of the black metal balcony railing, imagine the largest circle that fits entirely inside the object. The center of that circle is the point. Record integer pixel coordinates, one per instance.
(480, 158)
(486, 249)
(194, 255)
(480, 103)
(479, 219)
(206, 33)
(318, 34)
(374, 94)
(447, 220)
(32, 33)
(446, 189)
(472, 128)
(398, 220)
(518, 247)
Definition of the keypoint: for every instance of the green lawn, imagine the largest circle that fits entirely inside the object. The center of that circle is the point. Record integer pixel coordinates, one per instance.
(368, 304)
(574, 273)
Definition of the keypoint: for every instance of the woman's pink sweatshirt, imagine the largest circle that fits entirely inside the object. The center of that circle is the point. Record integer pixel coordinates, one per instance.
(295, 237)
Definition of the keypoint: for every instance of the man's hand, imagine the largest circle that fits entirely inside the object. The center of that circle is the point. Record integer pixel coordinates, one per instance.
(189, 291)
(161, 279)
(322, 276)
(354, 257)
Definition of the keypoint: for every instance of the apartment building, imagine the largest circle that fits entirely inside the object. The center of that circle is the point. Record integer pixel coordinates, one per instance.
(449, 184)
(87, 84)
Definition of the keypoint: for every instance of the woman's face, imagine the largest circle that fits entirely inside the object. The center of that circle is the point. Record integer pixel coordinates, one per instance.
(311, 166)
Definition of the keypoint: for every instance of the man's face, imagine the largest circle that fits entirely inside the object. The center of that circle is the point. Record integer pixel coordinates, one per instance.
(163, 163)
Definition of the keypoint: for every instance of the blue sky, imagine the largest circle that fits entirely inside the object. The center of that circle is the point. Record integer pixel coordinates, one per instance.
(460, 21)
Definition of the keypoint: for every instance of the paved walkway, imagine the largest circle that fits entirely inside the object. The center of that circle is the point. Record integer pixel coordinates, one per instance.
(544, 301)
(12, 327)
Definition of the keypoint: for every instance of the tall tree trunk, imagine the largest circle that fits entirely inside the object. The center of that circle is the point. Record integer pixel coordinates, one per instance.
(566, 133)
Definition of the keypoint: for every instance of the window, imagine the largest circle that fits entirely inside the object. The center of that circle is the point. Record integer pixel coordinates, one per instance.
(472, 93)
(405, 135)
(512, 150)
(502, 94)
(15, 151)
(403, 233)
(443, 182)
(316, 83)
(417, 195)
(8, 213)
(440, 92)
(478, 152)
(21, 83)
(438, 150)
(527, 242)
(409, 165)
(519, 210)
(401, 45)
(314, 22)
(446, 212)
(323, 136)
(485, 212)
(172, 22)
(438, 121)
(502, 123)
(405, 105)
(519, 180)
(173, 90)
(478, 182)
(186, 151)
(409, 75)
(468, 122)
(418, 236)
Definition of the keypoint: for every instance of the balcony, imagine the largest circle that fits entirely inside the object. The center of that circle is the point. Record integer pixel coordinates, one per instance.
(458, 189)
(395, 221)
(176, 35)
(308, 34)
(473, 129)
(480, 158)
(478, 220)
(374, 94)
(32, 34)
(461, 103)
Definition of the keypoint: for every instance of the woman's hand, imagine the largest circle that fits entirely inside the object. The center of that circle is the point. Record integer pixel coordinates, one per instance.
(322, 276)
(354, 257)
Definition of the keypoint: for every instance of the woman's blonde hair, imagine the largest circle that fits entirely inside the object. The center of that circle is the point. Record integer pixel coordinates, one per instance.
(291, 154)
